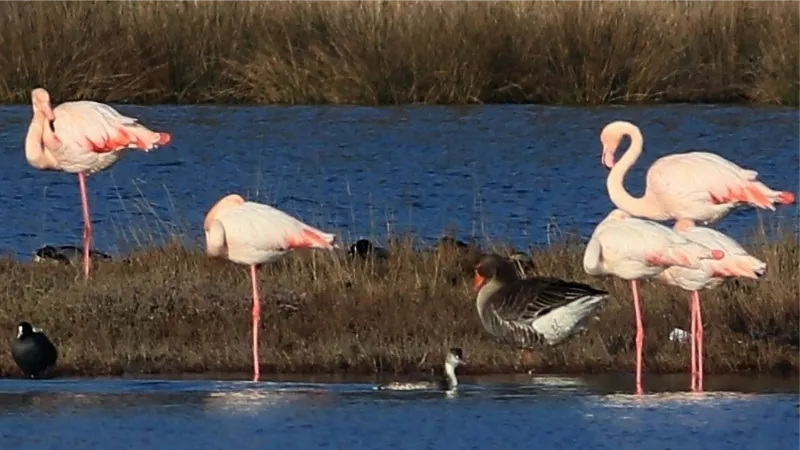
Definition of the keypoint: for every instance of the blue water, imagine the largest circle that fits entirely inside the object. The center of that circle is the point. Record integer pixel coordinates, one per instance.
(519, 174)
(545, 412)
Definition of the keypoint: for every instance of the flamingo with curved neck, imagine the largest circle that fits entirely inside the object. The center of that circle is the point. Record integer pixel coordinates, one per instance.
(697, 186)
(82, 138)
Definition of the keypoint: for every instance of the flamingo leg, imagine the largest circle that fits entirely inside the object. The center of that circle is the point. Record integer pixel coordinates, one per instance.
(639, 337)
(699, 326)
(693, 369)
(87, 227)
(256, 318)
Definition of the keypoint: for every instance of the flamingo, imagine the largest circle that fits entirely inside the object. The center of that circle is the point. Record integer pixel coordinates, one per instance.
(632, 249)
(736, 263)
(253, 234)
(86, 137)
(698, 186)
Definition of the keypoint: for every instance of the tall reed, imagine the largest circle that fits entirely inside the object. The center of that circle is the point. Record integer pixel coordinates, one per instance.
(402, 52)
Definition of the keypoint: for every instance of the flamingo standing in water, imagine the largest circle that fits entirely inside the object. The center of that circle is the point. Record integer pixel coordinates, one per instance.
(253, 234)
(697, 186)
(632, 249)
(711, 273)
(86, 137)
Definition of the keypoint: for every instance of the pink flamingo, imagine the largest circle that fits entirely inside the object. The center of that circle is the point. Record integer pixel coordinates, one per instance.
(85, 138)
(632, 249)
(697, 186)
(736, 263)
(253, 234)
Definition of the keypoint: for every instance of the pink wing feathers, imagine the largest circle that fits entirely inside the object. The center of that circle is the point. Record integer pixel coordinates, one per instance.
(736, 263)
(707, 177)
(100, 128)
(631, 248)
(255, 233)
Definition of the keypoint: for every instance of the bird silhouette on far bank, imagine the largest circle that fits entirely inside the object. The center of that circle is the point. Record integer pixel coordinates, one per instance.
(32, 351)
(67, 254)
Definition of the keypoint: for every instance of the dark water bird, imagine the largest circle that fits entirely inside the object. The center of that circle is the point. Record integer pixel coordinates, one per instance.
(67, 254)
(32, 351)
(448, 381)
(364, 248)
(529, 312)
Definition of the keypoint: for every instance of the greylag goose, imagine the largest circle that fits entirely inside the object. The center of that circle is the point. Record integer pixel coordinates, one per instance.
(530, 312)
(448, 382)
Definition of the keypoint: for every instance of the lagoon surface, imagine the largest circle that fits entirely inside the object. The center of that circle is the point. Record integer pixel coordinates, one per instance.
(518, 174)
(487, 412)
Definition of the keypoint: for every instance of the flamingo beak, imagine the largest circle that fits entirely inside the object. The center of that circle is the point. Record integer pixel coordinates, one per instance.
(479, 280)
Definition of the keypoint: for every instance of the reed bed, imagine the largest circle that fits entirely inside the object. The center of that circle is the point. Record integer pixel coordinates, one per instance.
(173, 310)
(377, 53)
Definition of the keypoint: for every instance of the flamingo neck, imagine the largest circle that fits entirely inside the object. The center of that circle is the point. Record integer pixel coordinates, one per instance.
(36, 153)
(215, 240)
(644, 206)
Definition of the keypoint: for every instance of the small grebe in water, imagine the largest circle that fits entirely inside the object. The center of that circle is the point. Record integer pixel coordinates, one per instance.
(448, 382)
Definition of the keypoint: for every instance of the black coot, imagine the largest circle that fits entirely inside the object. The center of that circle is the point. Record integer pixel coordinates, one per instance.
(32, 351)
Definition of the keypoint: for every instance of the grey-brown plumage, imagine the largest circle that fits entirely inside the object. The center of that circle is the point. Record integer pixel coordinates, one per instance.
(528, 312)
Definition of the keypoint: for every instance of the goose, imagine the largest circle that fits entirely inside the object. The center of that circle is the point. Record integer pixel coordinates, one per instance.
(32, 350)
(448, 382)
(526, 313)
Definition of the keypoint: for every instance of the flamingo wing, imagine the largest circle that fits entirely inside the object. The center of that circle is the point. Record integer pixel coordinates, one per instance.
(100, 128)
(264, 229)
(709, 179)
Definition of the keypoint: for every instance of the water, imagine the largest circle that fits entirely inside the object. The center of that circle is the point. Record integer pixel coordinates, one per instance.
(507, 172)
(490, 412)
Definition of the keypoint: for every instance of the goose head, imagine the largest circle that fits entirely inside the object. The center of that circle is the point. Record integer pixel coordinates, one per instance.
(455, 358)
(494, 267)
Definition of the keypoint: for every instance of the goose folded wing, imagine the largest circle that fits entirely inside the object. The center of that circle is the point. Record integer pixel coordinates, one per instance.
(528, 299)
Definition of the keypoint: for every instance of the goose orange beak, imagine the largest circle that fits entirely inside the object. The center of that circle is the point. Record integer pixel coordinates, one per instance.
(479, 280)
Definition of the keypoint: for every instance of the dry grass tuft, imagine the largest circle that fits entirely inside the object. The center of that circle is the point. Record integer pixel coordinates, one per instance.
(402, 52)
(171, 310)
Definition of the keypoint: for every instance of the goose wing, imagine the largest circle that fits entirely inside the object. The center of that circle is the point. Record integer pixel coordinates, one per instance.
(529, 299)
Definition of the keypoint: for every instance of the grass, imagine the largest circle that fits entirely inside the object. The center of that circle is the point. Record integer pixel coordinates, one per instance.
(377, 53)
(173, 310)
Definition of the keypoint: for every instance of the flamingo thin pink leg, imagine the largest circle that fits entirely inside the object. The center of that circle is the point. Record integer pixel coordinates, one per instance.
(693, 320)
(256, 318)
(87, 227)
(639, 337)
(699, 319)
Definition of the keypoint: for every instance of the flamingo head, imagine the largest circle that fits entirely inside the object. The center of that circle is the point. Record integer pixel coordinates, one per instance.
(40, 99)
(227, 202)
(611, 136)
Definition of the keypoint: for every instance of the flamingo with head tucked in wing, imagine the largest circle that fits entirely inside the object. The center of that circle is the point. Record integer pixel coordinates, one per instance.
(632, 249)
(697, 186)
(83, 137)
(711, 273)
(252, 233)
